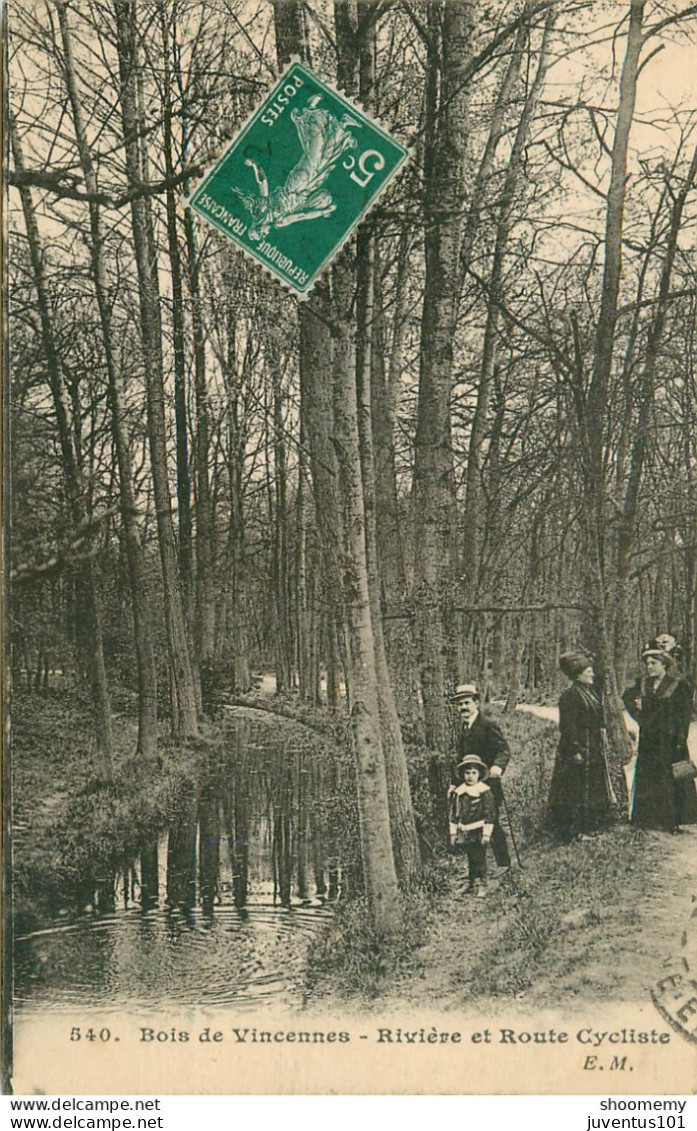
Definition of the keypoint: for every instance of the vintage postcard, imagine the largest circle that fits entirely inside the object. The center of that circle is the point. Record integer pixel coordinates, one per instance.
(350, 615)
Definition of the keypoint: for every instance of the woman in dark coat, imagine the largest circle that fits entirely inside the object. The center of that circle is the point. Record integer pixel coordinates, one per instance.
(662, 706)
(580, 796)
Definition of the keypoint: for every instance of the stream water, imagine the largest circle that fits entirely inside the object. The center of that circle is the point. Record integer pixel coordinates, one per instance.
(220, 908)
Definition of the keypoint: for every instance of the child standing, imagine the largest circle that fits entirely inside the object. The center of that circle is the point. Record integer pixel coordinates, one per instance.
(472, 814)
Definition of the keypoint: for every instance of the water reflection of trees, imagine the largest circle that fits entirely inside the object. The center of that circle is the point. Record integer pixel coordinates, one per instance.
(260, 817)
(181, 850)
(255, 821)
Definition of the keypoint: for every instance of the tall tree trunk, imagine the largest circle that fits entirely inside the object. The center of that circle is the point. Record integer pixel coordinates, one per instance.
(303, 581)
(203, 503)
(404, 835)
(92, 635)
(236, 556)
(205, 595)
(185, 721)
(236, 571)
(386, 372)
(379, 871)
(317, 426)
(385, 376)
(376, 841)
(146, 663)
(474, 497)
(496, 131)
(291, 31)
(181, 415)
(279, 525)
(593, 424)
(316, 412)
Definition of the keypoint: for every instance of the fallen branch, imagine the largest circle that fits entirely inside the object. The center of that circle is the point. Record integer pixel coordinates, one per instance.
(548, 608)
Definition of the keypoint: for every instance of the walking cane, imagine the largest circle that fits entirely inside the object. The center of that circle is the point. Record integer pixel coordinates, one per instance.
(510, 826)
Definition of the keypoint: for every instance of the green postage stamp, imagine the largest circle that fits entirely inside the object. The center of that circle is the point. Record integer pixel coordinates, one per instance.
(298, 178)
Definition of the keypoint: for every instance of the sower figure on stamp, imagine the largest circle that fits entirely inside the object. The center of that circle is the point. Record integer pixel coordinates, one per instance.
(480, 735)
(472, 813)
(303, 196)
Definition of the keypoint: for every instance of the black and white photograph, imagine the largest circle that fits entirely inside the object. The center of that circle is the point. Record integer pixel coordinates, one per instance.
(350, 547)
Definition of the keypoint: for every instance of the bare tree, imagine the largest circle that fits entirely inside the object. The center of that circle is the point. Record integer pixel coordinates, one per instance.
(75, 490)
(184, 698)
(145, 655)
(450, 30)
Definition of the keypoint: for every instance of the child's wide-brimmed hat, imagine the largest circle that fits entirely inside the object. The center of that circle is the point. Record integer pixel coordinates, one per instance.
(474, 760)
(465, 691)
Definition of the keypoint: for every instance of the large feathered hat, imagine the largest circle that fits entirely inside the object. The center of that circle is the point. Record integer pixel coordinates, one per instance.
(652, 648)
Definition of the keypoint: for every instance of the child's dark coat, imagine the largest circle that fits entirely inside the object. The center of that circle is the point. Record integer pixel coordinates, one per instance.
(472, 814)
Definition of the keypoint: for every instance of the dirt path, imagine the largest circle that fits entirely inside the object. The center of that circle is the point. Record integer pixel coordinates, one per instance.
(551, 714)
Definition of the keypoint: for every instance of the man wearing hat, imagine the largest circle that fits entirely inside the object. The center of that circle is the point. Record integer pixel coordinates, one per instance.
(480, 735)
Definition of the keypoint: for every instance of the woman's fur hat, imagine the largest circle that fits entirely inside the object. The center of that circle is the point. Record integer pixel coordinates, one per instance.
(573, 663)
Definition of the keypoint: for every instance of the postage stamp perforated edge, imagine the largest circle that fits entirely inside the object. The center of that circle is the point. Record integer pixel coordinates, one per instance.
(249, 121)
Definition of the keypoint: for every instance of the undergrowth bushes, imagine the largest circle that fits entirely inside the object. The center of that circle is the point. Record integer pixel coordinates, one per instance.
(354, 959)
(72, 829)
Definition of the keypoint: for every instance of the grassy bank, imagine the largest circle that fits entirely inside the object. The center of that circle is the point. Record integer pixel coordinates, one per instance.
(580, 922)
(351, 960)
(71, 829)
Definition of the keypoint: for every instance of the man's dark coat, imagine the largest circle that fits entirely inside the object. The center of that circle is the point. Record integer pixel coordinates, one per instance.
(485, 739)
